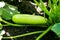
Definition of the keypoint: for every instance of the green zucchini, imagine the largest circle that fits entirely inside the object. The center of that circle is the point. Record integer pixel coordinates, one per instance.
(28, 19)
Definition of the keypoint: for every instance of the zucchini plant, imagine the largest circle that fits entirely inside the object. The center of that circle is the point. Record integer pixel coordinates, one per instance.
(54, 16)
(9, 12)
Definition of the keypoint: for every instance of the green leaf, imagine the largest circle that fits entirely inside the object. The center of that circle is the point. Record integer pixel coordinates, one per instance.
(56, 28)
(8, 11)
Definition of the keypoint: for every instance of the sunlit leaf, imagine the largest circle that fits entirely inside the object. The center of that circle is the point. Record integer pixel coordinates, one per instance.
(8, 11)
(56, 28)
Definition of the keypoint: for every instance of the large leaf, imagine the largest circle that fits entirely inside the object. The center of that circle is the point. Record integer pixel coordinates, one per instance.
(56, 28)
(8, 11)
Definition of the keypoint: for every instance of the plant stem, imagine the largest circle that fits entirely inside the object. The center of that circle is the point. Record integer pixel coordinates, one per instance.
(41, 35)
(8, 23)
(23, 35)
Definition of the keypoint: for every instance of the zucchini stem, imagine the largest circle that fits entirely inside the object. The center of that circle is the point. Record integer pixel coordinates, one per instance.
(41, 35)
(22, 35)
